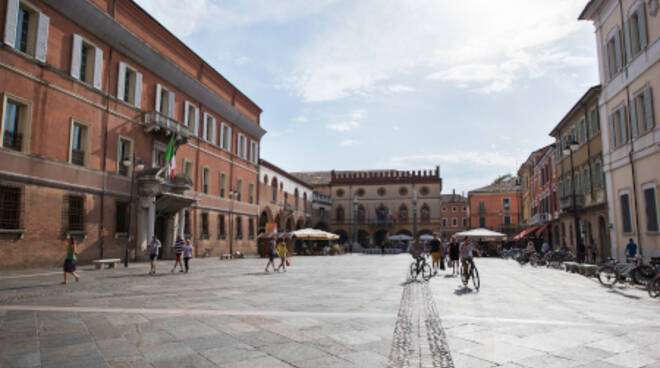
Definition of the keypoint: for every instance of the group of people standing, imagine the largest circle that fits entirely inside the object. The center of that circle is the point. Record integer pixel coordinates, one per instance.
(182, 249)
(440, 250)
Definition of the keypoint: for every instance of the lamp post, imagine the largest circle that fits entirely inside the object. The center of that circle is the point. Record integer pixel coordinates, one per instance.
(573, 146)
(130, 163)
(355, 221)
(414, 203)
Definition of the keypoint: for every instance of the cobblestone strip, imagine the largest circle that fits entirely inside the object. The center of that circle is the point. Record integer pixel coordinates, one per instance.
(419, 340)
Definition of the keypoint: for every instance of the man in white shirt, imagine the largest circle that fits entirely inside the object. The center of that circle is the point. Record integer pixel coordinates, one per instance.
(465, 252)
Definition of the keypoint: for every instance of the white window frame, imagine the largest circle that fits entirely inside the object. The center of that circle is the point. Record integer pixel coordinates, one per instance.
(158, 147)
(507, 199)
(614, 37)
(130, 153)
(254, 152)
(618, 126)
(195, 118)
(226, 147)
(192, 167)
(251, 187)
(86, 140)
(171, 100)
(443, 222)
(137, 84)
(640, 33)
(209, 123)
(37, 46)
(621, 193)
(241, 146)
(222, 185)
(454, 222)
(96, 73)
(654, 186)
(206, 179)
(25, 121)
(641, 112)
(239, 189)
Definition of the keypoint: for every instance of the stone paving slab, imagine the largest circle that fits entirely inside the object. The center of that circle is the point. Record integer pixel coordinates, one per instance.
(323, 312)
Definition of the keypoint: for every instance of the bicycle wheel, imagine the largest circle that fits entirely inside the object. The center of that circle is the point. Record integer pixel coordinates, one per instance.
(642, 274)
(427, 272)
(607, 276)
(475, 278)
(654, 287)
(413, 271)
(464, 277)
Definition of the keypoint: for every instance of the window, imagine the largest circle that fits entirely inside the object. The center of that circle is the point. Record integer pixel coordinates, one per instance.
(444, 209)
(239, 189)
(444, 222)
(164, 100)
(613, 60)
(651, 207)
(254, 152)
(403, 213)
(507, 220)
(618, 128)
(454, 209)
(26, 29)
(594, 123)
(76, 213)
(506, 204)
(129, 85)
(205, 226)
(222, 233)
(251, 194)
(581, 132)
(340, 214)
(160, 150)
(14, 126)
(577, 182)
(186, 223)
(586, 180)
(250, 228)
(425, 213)
(295, 199)
(339, 193)
(209, 128)
(482, 207)
(225, 137)
(403, 191)
(124, 152)
(205, 180)
(79, 144)
(624, 202)
(360, 192)
(188, 168)
(322, 212)
(10, 208)
(635, 31)
(424, 191)
(595, 175)
(465, 222)
(381, 191)
(362, 213)
(454, 222)
(191, 117)
(482, 222)
(223, 181)
(241, 149)
(239, 227)
(641, 112)
(274, 190)
(86, 62)
(121, 218)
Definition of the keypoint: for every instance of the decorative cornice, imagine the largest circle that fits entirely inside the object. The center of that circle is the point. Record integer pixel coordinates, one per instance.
(385, 177)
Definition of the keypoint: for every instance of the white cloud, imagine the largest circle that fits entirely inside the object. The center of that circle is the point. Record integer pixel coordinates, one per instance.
(349, 142)
(349, 123)
(181, 17)
(480, 44)
(490, 159)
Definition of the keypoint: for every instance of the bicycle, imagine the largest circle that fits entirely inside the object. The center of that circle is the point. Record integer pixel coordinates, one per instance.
(653, 285)
(421, 266)
(612, 272)
(472, 273)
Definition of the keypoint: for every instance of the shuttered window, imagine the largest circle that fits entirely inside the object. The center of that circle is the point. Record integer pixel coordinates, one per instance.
(129, 85)
(86, 62)
(626, 222)
(26, 29)
(651, 207)
(76, 213)
(635, 31)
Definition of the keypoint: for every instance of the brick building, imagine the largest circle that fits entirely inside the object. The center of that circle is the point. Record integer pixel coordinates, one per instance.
(86, 85)
(380, 202)
(496, 207)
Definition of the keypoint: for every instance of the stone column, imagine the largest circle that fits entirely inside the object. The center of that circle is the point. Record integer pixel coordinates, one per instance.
(170, 233)
(146, 217)
(182, 223)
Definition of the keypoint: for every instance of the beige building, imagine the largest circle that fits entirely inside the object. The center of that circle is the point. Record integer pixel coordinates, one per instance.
(583, 212)
(628, 52)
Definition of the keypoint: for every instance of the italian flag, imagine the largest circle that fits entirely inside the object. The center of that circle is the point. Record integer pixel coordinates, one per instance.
(170, 157)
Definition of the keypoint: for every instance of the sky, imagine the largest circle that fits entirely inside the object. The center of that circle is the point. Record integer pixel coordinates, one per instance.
(472, 86)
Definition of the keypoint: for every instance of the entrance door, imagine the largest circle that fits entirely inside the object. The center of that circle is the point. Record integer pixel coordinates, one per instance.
(605, 250)
(159, 231)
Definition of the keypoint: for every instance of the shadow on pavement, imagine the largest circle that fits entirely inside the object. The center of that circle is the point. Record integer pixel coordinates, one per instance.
(258, 273)
(463, 290)
(612, 291)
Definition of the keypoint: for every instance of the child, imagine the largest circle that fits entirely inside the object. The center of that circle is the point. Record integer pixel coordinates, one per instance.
(187, 253)
(281, 250)
(70, 261)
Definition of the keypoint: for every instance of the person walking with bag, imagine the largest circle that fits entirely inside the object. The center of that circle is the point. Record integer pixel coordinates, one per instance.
(178, 250)
(187, 254)
(154, 249)
(270, 250)
(281, 251)
(70, 261)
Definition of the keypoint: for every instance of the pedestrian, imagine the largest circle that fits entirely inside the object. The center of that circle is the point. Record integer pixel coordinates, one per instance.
(631, 249)
(453, 255)
(581, 250)
(382, 249)
(270, 250)
(154, 249)
(70, 261)
(435, 252)
(592, 250)
(545, 247)
(178, 251)
(282, 251)
(187, 254)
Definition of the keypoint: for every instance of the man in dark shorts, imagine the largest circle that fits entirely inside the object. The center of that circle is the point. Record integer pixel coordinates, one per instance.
(270, 250)
(436, 252)
(154, 249)
(453, 255)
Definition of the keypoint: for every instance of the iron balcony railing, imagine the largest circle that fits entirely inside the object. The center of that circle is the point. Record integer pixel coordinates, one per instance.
(12, 140)
(156, 121)
(566, 202)
(539, 218)
(78, 157)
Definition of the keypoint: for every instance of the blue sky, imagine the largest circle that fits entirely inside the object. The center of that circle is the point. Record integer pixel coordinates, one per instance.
(473, 86)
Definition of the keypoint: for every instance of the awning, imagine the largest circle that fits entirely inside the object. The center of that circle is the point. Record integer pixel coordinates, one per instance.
(525, 232)
(539, 232)
(168, 203)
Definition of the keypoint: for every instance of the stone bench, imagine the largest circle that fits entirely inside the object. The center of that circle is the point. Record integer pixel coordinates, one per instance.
(589, 270)
(571, 266)
(225, 256)
(98, 263)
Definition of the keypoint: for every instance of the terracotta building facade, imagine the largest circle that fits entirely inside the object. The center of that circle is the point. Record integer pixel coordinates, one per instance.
(87, 86)
(497, 207)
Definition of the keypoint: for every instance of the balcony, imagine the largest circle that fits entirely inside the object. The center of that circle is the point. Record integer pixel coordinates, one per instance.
(321, 198)
(12, 140)
(539, 218)
(566, 203)
(482, 209)
(156, 122)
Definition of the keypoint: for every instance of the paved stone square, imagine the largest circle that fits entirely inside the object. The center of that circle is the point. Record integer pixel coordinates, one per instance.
(342, 311)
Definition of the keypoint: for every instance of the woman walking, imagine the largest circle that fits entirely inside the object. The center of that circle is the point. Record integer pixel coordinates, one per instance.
(187, 253)
(178, 250)
(271, 255)
(281, 251)
(453, 255)
(154, 248)
(70, 261)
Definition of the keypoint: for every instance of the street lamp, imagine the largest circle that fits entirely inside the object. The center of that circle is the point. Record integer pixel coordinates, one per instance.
(573, 146)
(414, 203)
(355, 222)
(128, 163)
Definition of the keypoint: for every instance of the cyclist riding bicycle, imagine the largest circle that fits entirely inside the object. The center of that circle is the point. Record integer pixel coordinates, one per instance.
(465, 252)
(417, 250)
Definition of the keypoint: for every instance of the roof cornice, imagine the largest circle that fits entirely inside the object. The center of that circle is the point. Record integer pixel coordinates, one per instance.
(591, 94)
